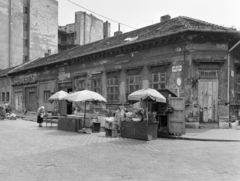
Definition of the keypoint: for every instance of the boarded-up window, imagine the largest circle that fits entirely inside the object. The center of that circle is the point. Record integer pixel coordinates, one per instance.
(46, 95)
(238, 87)
(113, 88)
(158, 80)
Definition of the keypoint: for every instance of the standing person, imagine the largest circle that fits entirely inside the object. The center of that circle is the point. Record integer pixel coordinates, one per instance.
(2, 113)
(41, 113)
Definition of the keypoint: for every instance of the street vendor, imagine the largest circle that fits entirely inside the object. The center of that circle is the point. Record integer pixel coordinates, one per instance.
(119, 115)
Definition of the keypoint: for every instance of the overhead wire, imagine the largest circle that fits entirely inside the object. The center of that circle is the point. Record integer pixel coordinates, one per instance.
(101, 15)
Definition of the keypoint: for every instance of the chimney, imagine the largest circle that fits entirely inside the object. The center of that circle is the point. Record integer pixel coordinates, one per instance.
(46, 54)
(106, 29)
(118, 32)
(165, 18)
(49, 52)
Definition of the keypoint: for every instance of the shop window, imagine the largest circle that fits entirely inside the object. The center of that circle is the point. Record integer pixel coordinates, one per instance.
(238, 87)
(46, 95)
(112, 89)
(132, 84)
(8, 97)
(158, 80)
(96, 85)
(3, 96)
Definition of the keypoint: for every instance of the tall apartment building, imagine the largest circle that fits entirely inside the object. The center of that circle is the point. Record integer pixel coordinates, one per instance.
(29, 29)
(86, 29)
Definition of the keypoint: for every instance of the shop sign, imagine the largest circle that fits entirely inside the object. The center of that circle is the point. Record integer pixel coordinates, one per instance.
(177, 68)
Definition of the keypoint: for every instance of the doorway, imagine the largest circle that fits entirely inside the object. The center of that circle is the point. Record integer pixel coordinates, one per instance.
(208, 100)
(69, 104)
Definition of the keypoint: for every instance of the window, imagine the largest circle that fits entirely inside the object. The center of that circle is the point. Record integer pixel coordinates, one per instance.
(81, 85)
(25, 10)
(132, 84)
(96, 85)
(207, 73)
(25, 58)
(158, 80)
(238, 87)
(112, 89)
(46, 95)
(25, 42)
(3, 96)
(7, 98)
(25, 26)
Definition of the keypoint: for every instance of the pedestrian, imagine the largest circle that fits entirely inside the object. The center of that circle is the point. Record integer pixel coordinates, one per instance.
(2, 113)
(41, 114)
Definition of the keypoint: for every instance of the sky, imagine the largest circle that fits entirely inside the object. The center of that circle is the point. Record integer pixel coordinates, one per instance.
(141, 13)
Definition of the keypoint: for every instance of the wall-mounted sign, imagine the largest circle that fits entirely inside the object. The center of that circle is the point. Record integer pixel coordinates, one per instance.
(177, 68)
(179, 81)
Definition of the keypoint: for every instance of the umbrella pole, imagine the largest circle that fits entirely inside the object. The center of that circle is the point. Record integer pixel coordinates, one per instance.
(84, 114)
(147, 109)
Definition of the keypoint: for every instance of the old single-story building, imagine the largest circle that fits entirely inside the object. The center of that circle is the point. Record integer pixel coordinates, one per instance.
(195, 59)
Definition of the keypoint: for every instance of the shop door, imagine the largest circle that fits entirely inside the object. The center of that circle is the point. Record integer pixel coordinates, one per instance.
(207, 98)
(176, 119)
(31, 99)
(18, 101)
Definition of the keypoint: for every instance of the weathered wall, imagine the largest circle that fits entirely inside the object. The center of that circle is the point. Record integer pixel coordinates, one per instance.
(88, 28)
(45, 86)
(207, 52)
(4, 34)
(43, 27)
(17, 33)
(5, 86)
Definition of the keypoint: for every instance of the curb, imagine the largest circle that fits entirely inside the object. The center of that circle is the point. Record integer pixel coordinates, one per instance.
(197, 139)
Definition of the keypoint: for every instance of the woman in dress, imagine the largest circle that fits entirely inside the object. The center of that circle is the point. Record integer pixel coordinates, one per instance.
(41, 113)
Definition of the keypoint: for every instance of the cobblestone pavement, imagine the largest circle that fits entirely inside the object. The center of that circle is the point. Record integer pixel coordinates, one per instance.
(28, 152)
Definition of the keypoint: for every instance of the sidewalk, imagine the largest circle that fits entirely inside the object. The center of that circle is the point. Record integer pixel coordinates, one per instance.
(227, 135)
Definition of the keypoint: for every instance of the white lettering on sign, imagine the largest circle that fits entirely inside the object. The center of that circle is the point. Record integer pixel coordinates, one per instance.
(177, 68)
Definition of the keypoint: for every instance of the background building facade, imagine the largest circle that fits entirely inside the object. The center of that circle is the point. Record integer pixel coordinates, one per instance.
(28, 30)
(86, 29)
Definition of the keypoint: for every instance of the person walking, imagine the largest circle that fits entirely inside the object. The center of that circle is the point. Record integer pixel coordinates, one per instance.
(41, 114)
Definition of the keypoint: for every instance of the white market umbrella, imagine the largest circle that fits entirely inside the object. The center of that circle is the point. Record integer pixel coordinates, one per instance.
(58, 96)
(146, 94)
(85, 96)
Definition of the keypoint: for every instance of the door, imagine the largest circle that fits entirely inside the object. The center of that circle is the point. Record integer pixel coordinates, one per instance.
(176, 119)
(18, 101)
(207, 98)
(31, 99)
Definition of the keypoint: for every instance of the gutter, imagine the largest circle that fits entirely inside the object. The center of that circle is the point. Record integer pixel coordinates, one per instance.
(167, 34)
(228, 89)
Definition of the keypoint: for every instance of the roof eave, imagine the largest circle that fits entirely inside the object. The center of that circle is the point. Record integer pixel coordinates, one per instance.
(140, 41)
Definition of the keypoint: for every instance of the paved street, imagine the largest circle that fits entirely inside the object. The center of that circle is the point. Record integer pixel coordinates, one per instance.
(28, 152)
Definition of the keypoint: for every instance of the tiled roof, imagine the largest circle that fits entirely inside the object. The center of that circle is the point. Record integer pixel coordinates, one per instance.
(4, 72)
(166, 28)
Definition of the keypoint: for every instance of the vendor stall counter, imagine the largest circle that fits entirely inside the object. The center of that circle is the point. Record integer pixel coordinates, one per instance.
(139, 130)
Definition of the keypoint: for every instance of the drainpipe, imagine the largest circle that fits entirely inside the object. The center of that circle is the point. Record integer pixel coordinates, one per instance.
(228, 94)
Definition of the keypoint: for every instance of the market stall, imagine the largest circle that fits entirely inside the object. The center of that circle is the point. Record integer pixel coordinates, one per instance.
(86, 97)
(141, 123)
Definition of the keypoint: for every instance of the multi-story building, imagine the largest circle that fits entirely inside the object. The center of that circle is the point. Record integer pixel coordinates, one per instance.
(29, 29)
(85, 29)
(195, 59)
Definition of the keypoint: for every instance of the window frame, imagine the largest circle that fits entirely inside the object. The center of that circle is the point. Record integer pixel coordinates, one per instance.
(99, 87)
(46, 96)
(238, 87)
(114, 87)
(136, 85)
(160, 82)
